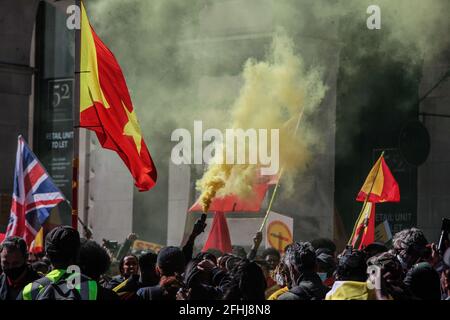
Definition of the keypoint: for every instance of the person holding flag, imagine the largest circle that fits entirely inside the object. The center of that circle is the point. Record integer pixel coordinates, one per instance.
(380, 186)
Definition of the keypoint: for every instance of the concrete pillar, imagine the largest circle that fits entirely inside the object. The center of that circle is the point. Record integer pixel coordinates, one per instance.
(178, 197)
(110, 204)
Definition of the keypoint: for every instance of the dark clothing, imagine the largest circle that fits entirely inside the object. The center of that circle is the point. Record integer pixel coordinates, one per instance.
(213, 290)
(10, 290)
(252, 254)
(219, 277)
(309, 287)
(151, 293)
(114, 282)
(104, 280)
(400, 292)
(423, 282)
(188, 250)
(128, 288)
(106, 294)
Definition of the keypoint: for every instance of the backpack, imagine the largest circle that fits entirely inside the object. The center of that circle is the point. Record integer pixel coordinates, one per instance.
(61, 291)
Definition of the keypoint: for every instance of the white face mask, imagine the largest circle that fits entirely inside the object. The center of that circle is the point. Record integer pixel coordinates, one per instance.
(322, 275)
(279, 279)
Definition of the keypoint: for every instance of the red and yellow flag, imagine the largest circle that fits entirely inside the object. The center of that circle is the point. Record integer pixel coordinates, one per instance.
(37, 245)
(364, 232)
(380, 185)
(106, 107)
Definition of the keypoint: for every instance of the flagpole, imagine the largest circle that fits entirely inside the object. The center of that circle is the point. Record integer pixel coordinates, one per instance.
(365, 203)
(271, 201)
(274, 192)
(76, 123)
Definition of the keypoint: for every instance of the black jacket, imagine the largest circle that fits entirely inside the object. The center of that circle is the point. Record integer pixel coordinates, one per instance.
(213, 290)
(152, 293)
(114, 282)
(104, 294)
(9, 293)
(128, 288)
(309, 287)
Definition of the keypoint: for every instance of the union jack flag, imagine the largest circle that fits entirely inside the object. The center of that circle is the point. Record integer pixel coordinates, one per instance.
(34, 195)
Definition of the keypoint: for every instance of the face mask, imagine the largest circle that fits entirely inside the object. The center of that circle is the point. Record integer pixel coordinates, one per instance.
(279, 279)
(14, 273)
(322, 275)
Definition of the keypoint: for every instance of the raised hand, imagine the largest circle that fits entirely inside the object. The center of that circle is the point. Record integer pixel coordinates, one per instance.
(257, 239)
(199, 227)
(132, 237)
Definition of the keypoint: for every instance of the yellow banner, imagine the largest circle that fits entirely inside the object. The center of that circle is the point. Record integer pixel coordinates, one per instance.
(144, 245)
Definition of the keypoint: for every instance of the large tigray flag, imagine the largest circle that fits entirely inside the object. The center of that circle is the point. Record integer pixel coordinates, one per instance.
(106, 107)
(380, 186)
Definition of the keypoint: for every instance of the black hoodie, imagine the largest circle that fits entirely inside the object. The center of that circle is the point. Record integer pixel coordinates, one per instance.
(309, 287)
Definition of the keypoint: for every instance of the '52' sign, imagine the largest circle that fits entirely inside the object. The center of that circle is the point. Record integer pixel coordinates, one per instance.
(60, 93)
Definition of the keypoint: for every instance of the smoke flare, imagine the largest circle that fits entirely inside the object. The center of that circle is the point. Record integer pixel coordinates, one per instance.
(274, 93)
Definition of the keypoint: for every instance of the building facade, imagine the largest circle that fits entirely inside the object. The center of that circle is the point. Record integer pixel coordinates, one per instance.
(37, 91)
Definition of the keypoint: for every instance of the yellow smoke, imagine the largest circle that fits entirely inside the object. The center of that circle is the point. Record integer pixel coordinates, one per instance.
(274, 94)
(213, 180)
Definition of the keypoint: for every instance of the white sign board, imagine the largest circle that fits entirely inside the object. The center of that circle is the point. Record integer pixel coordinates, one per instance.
(279, 231)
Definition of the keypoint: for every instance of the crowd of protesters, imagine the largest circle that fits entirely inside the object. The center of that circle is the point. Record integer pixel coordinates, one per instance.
(412, 269)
